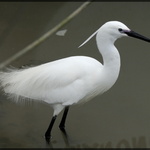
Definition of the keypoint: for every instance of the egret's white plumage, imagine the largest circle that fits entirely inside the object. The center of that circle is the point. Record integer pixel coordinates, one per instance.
(71, 80)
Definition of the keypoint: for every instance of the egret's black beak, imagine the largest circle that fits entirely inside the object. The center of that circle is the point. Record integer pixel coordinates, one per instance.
(136, 35)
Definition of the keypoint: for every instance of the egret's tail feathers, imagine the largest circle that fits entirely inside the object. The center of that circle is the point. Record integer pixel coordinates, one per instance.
(10, 83)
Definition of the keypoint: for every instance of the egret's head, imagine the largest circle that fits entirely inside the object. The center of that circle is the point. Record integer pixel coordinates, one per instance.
(113, 29)
(116, 29)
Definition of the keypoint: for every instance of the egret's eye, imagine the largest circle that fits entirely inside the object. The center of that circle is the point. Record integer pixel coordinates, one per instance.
(120, 30)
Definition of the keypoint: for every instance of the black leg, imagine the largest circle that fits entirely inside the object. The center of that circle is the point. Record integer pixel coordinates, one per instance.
(63, 120)
(48, 132)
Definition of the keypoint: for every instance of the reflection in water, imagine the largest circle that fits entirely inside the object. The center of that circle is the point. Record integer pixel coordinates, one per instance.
(65, 139)
(135, 142)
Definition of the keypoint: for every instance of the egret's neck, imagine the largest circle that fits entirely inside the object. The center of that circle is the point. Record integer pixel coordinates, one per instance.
(110, 54)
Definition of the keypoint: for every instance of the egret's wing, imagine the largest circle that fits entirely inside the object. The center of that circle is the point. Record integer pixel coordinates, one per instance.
(65, 81)
(50, 82)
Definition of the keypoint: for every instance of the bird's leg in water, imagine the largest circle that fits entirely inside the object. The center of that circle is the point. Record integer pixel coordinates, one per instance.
(48, 132)
(63, 120)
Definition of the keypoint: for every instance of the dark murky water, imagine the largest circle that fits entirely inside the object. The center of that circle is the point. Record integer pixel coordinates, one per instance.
(118, 118)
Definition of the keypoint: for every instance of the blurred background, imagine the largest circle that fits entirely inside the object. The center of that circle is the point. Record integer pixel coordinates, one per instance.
(117, 119)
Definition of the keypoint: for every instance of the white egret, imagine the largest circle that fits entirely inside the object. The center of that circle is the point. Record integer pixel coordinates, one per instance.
(71, 80)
